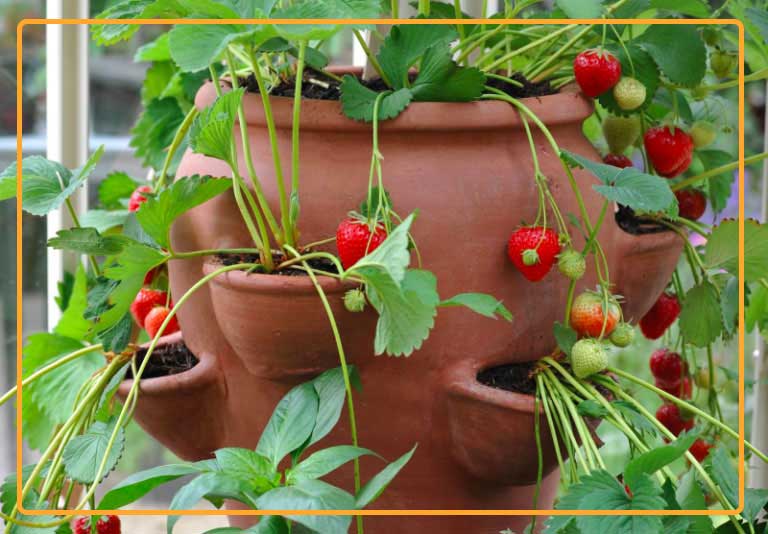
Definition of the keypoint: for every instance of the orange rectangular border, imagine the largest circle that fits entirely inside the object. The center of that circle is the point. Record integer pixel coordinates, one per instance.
(394, 512)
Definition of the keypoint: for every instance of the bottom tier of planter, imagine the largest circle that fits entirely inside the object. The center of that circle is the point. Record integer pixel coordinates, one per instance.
(476, 450)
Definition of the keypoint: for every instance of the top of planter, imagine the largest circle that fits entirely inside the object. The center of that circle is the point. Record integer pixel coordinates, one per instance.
(565, 107)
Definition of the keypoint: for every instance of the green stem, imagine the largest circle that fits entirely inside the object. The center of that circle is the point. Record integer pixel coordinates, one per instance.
(688, 407)
(533, 44)
(272, 132)
(554, 57)
(371, 57)
(718, 170)
(549, 415)
(291, 238)
(48, 368)
(181, 132)
(347, 382)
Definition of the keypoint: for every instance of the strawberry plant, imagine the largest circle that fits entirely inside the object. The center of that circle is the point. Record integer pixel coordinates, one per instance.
(657, 91)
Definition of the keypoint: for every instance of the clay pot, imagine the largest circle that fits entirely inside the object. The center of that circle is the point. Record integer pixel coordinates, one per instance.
(297, 338)
(467, 168)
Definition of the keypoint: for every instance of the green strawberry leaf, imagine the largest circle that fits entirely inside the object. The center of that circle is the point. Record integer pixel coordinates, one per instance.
(157, 214)
(73, 323)
(84, 454)
(694, 8)
(645, 71)
(325, 461)
(156, 50)
(722, 249)
(566, 337)
(211, 131)
(440, 79)
(678, 51)
(108, 34)
(311, 495)
(214, 487)
(392, 256)
(357, 101)
(89, 241)
(290, 425)
(103, 220)
(116, 187)
(591, 408)
(194, 47)
(718, 187)
(406, 43)
(46, 184)
(629, 186)
(755, 500)
(479, 303)
(116, 338)
(55, 392)
(376, 486)
(648, 463)
(331, 394)
(322, 9)
(724, 474)
(701, 320)
(406, 311)
(253, 468)
(155, 129)
(581, 9)
(691, 497)
(136, 486)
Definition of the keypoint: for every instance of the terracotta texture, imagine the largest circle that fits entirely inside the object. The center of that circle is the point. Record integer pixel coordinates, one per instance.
(468, 170)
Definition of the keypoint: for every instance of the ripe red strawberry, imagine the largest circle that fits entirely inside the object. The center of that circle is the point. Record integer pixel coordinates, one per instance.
(107, 524)
(145, 300)
(669, 416)
(667, 365)
(661, 315)
(692, 203)
(670, 153)
(134, 203)
(700, 450)
(587, 315)
(155, 320)
(354, 240)
(681, 388)
(533, 250)
(596, 72)
(617, 160)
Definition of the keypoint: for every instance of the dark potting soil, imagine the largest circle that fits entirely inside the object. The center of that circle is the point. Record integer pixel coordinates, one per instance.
(166, 360)
(516, 377)
(318, 86)
(320, 264)
(633, 224)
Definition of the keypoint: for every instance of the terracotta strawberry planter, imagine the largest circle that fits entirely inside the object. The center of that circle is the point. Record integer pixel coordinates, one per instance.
(468, 170)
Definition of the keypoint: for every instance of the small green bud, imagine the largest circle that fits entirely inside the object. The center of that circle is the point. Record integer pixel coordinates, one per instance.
(623, 335)
(354, 300)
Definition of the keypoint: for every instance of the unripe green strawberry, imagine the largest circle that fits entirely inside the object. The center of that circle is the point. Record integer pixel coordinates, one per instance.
(700, 92)
(629, 93)
(722, 63)
(354, 300)
(710, 35)
(703, 133)
(623, 335)
(621, 132)
(588, 357)
(572, 264)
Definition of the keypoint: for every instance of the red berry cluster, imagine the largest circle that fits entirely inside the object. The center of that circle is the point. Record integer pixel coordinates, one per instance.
(671, 375)
(107, 524)
(150, 308)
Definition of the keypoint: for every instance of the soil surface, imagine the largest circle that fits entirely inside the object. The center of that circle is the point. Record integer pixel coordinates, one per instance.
(319, 264)
(317, 85)
(516, 377)
(635, 225)
(166, 360)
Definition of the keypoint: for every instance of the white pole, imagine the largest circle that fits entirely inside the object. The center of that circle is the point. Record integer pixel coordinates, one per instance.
(758, 470)
(67, 120)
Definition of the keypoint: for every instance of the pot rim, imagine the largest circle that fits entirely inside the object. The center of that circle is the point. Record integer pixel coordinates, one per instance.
(457, 385)
(201, 375)
(566, 107)
(274, 284)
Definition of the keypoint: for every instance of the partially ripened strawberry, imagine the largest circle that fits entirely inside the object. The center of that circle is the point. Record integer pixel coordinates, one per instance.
(691, 202)
(137, 198)
(145, 300)
(620, 132)
(681, 388)
(617, 160)
(354, 240)
(533, 250)
(661, 315)
(155, 319)
(596, 71)
(107, 524)
(629, 93)
(700, 450)
(669, 416)
(587, 316)
(670, 152)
